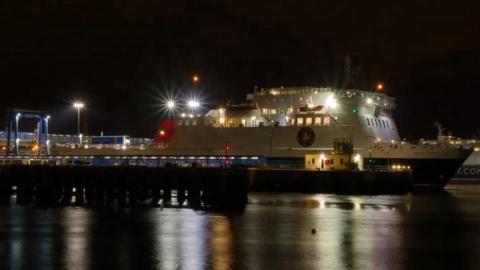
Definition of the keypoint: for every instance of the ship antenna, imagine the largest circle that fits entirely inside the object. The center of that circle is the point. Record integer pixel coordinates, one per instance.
(346, 71)
(440, 129)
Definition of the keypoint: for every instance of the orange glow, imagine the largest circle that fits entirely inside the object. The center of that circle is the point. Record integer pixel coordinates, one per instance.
(380, 86)
(195, 78)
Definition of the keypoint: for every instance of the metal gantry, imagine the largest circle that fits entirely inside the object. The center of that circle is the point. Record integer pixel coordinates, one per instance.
(13, 118)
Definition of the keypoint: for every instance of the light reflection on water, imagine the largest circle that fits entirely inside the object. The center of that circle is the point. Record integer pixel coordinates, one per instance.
(274, 232)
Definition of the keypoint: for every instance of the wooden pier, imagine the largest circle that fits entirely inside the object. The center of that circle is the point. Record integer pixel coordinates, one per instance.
(125, 186)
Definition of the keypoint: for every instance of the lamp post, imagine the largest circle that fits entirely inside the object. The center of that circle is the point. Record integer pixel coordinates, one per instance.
(78, 106)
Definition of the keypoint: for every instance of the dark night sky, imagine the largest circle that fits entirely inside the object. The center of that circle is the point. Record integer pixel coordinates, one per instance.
(119, 56)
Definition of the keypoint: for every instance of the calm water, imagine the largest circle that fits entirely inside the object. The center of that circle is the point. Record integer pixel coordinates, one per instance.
(275, 232)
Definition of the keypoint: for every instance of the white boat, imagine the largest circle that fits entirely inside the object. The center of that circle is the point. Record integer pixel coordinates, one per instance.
(285, 124)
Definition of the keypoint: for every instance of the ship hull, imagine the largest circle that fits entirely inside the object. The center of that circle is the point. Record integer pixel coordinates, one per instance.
(426, 174)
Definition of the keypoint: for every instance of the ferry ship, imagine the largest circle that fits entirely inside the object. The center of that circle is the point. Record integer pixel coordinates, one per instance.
(287, 124)
(470, 169)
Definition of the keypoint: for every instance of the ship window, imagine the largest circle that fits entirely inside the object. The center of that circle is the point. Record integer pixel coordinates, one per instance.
(265, 111)
(383, 123)
(292, 122)
(368, 121)
(341, 161)
(377, 122)
(194, 122)
(187, 123)
(273, 111)
(243, 122)
(388, 125)
(326, 120)
(290, 110)
(318, 121)
(180, 123)
(299, 121)
(308, 121)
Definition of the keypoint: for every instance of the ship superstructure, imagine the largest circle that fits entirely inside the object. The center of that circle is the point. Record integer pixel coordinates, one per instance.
(268, 123)
(286, 124)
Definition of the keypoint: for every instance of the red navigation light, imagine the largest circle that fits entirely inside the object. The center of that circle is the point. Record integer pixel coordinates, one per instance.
(227, 148)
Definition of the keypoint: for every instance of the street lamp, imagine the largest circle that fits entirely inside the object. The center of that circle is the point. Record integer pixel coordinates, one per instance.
(78, 106)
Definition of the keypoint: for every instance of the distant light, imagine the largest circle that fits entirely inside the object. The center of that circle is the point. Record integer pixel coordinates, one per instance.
(222, 120)
(162, 132)
(48, 117)
(380, 86)
(191, 116)
(195, 78)
(193, 104)
(274, 92)
(183, 115)
(369, 100)
(124, 147)
(170, 104)
(78, 105)
(331, 102)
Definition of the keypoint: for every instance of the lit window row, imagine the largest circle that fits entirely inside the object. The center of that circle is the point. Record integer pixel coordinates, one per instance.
(269, 111)
(378, 122)
(311, 121)
(187, 122)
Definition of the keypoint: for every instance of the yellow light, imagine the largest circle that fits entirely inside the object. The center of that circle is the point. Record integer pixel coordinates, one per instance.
(222, 120)
(477, 149)
(369, 101)
(78, 105)
(274, 92)
(380, 86)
